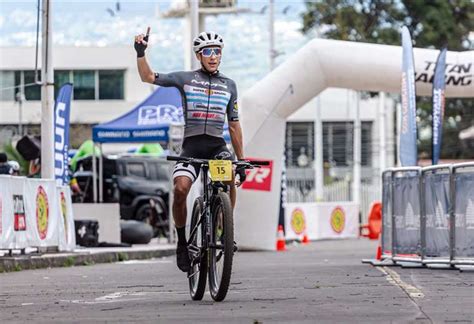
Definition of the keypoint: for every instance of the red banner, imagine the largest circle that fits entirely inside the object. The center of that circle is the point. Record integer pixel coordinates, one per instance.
(259, 178)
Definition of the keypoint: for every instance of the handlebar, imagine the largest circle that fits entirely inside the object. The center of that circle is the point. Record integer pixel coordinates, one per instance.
(205, 161)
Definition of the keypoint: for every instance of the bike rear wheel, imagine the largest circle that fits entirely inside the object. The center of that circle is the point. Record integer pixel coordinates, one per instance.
(198, 256)
(222, 251)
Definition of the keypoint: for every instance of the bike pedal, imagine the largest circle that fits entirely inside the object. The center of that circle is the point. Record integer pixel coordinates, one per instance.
(235, 247)
(193, 274)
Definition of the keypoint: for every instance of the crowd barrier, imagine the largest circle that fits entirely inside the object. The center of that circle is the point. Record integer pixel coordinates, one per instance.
(35, 213)
(428, 214)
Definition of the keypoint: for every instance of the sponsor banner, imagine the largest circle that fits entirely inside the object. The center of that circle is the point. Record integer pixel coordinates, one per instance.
(62, 110)
(408, 133)
(439, 86)
(330, 220)
(42, 213)
(66, 229)
(259, 178)
(6, 213)
(20, 214)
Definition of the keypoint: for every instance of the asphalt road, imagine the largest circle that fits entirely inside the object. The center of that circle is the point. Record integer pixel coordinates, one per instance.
(323, 282)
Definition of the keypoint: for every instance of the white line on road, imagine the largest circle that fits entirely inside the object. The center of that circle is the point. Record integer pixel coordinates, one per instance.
(394, 278)
(144, 261)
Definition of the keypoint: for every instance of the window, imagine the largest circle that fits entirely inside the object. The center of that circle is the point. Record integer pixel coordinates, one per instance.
(160, 171)
(299, 141)
(32, 92)
(88, 84)
(111, 84)
(136, 169)
(60, 78)
(84, 85)
(338, 143)
(7, 84)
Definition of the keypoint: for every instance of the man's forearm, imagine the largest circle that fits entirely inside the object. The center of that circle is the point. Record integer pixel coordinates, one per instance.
(146, 73)
(236, 137)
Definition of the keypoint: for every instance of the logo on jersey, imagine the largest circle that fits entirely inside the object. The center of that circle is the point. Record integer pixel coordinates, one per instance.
(206, 84)
(235, 106)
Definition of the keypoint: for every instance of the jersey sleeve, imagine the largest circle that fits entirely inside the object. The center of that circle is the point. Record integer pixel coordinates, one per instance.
(172, 79)
(233, 107)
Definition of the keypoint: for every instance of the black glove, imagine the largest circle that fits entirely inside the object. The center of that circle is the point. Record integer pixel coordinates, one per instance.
(140, 47)
(240, 171)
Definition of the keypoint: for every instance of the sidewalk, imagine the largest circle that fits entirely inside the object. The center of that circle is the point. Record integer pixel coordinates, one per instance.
(84, 256)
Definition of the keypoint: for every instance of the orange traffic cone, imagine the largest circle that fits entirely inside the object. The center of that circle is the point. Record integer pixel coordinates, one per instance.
(305, 238)
(281, 244)
(378, 256)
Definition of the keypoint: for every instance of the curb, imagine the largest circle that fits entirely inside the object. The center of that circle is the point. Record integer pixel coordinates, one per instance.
(19, 263)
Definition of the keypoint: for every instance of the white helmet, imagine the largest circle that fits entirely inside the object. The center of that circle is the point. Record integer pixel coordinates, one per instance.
(14, 165)
(206, 39)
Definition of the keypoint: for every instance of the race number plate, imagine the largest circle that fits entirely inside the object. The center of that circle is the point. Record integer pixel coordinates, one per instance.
(220, 170)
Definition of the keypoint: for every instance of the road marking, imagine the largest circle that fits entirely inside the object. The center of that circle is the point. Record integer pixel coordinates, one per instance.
(26, 304)
(394, 278)
(144, 261)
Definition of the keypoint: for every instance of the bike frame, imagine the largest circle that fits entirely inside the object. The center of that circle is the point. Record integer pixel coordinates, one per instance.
(205, 216)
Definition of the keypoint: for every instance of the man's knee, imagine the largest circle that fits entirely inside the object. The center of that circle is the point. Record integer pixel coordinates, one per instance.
(181, 188)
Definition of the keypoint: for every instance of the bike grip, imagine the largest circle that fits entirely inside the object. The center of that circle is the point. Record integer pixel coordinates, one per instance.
(260, 162)
(174, 158)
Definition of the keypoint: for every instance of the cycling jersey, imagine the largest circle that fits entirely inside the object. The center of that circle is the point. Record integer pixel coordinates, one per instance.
(207, 98)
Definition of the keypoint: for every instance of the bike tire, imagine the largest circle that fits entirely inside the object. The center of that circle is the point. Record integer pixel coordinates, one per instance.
(219, 280)
(197, 283)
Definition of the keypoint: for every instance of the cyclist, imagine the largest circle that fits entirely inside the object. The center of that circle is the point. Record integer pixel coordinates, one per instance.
(208, 97)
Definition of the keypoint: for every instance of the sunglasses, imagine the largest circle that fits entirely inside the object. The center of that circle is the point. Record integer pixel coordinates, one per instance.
(207, 52)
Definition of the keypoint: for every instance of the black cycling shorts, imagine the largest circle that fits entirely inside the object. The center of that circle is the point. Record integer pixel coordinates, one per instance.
(201, 147)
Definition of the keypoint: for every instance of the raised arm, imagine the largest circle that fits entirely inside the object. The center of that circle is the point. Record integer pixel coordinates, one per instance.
(141, 43)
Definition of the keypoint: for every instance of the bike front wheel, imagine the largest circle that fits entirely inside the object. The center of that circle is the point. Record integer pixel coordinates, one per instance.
(197, 254)
(222, 246)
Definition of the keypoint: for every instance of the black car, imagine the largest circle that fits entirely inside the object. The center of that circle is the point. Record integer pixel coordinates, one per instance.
(144, 184)
(140, 184)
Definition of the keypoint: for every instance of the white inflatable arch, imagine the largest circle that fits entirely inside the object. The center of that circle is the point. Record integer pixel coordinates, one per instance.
(319, 65)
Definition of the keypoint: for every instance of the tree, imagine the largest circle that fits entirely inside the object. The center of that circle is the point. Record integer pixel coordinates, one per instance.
(432, 23)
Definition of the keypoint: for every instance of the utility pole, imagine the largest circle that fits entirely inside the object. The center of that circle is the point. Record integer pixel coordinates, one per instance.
(357, 153)
(47, 94)
(318, 152)
(192, 31)
(271, 32)
(20, 97)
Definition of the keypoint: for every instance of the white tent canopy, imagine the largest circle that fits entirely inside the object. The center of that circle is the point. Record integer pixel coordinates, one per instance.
(319, 65)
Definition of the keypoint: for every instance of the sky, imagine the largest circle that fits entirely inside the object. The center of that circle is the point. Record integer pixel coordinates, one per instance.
(98, 23)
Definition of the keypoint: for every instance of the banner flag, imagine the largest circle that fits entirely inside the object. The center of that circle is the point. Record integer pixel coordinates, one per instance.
(408, 148)
(438, 105)
(62, 111)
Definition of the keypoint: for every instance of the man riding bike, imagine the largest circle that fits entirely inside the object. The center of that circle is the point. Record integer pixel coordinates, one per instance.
(208, 97)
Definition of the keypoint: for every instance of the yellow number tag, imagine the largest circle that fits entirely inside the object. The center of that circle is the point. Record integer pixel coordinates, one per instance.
(221, 170)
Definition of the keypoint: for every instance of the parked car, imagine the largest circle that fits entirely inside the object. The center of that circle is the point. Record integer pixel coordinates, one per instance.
(139, 183)
(144, 185)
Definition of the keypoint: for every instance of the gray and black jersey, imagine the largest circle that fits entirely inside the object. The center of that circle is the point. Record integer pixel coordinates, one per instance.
(207, 99)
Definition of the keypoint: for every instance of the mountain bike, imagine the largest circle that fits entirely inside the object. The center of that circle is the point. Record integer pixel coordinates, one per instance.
(211, 243)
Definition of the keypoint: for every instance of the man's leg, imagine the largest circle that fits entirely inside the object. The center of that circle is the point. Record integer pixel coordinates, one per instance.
(182, 185)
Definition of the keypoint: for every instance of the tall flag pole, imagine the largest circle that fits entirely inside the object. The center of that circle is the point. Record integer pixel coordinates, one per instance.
(438, 105)
(408, 148)
(62, 110)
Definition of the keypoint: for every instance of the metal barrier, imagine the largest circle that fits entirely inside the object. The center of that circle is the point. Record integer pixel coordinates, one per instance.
(428, 214)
